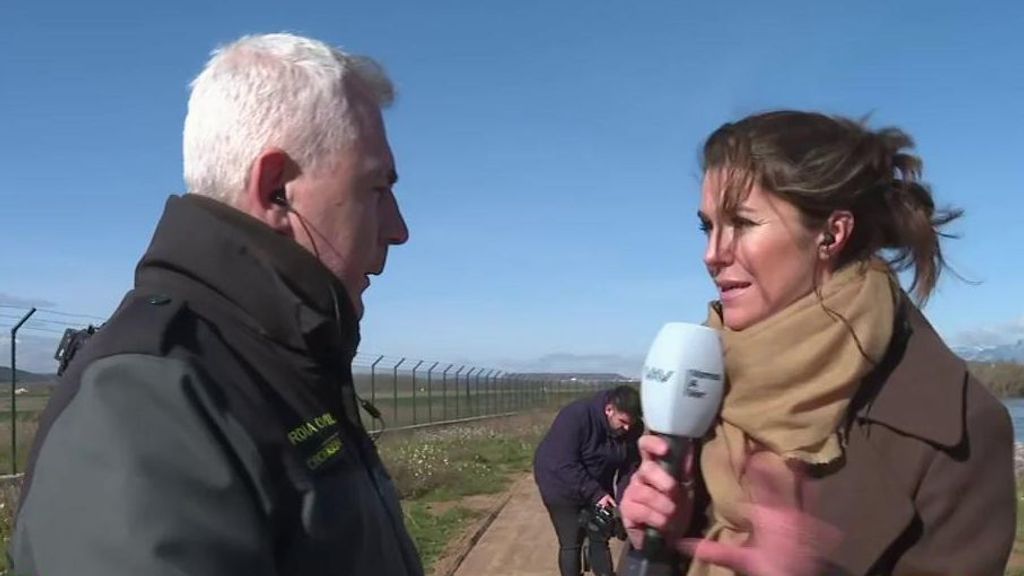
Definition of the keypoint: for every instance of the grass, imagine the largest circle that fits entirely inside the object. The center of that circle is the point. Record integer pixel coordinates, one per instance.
(433, 469)
(457, 461)
(26, 435)
(438, 467)
(432, 530)
(8, 507)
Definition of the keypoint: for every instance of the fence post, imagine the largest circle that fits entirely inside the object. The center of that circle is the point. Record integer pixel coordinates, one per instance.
(486, 375)
(489, 384)
(444, 392)
(503, 394)
(498, 407)
(457, 391)
(496, 391)
(14, 385)
(414, 368)
(430, 397)
(469, 398)
(373, 380)
(478, 373)
(394, 385)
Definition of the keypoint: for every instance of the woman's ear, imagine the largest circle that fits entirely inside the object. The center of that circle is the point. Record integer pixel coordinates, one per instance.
(836, 235)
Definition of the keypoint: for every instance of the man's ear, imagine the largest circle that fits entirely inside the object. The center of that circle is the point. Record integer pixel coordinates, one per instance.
(269, 173)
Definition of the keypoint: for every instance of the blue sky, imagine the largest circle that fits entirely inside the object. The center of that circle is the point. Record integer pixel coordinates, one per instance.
(547, 151)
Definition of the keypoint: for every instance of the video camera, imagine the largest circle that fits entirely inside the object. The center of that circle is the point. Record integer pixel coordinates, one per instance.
(602, 523)
(69, 345)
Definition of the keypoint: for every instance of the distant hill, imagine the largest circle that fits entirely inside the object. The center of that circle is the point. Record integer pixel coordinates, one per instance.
(1004, 379)
(1013, 353)
(25, 377)
(578, 376)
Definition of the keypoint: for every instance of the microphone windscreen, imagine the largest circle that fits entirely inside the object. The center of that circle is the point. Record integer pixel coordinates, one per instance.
(683, 380)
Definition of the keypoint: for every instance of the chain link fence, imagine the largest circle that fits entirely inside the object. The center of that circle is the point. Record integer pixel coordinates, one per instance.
(399, 392)
(409, 392)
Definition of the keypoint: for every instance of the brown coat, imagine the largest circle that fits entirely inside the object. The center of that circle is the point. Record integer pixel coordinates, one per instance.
(927, 484)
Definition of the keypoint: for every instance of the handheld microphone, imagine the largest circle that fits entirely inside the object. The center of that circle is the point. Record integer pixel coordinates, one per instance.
(681, 390)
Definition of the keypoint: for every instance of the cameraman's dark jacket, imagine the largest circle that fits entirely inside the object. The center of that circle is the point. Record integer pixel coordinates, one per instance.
(579, 461)
(211, 427)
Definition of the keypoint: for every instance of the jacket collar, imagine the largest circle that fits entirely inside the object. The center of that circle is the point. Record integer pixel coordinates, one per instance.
(918, 388)
(269, 281)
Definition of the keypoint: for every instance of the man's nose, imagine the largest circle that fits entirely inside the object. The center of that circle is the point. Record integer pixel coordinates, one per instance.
(395, 229)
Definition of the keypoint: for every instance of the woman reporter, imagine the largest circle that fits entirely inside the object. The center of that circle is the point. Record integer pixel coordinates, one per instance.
(833, 372)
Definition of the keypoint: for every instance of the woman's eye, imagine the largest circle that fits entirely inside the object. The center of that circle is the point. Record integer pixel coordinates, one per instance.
(740, 222)
(705, 226)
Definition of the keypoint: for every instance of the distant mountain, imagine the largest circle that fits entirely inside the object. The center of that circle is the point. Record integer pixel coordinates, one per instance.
(1005, 353)
(25, 377)
(578, 376)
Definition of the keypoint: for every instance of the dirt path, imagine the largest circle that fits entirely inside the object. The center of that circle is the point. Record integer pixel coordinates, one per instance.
(519, 541)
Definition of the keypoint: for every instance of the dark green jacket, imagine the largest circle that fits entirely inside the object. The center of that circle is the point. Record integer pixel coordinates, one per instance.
(211, 427)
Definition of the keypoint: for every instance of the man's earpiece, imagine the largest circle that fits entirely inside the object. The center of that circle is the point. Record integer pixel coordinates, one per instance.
(277, 197)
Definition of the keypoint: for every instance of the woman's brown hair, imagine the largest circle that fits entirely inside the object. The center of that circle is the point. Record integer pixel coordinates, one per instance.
(821, 164)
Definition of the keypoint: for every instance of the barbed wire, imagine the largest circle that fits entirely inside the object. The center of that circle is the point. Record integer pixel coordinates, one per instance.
(54, 312)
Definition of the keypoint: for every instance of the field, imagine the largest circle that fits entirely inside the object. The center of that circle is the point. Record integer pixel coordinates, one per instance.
(29, 407)
(451, 477)
(448, 477)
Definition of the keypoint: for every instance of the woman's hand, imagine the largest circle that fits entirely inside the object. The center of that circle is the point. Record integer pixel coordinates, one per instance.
(654, 499)
(785, 541)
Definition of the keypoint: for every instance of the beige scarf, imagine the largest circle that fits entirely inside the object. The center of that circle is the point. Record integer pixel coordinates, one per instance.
(790, 380)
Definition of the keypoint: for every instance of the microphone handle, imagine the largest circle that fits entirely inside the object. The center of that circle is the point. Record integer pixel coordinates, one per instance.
(654, 543)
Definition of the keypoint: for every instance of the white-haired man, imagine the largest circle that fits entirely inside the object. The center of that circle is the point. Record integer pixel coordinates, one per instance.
(211, 426)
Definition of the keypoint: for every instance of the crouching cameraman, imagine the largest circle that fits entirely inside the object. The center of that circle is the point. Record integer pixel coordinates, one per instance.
(590, 450)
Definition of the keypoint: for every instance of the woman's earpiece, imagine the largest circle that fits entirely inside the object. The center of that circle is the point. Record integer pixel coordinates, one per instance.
(827, 240)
